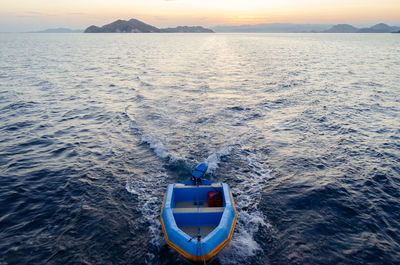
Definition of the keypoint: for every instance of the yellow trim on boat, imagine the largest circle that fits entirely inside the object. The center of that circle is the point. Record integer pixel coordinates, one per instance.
(209, 255)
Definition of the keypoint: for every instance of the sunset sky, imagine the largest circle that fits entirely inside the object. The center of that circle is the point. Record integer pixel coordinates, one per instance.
(25, 15)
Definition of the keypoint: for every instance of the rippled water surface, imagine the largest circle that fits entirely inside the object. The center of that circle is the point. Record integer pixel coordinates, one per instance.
(304, 128)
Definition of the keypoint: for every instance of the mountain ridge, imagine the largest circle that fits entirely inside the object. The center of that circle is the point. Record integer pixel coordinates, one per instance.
(305, 28)
(342, 28)
(273, 28)
(378, 28)
(58, 30)
(136, 26)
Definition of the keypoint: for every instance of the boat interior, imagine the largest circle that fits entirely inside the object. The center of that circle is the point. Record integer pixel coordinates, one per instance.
(191, 209)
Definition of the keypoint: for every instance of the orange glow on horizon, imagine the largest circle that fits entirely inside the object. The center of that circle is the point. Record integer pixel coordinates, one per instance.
(162, 13)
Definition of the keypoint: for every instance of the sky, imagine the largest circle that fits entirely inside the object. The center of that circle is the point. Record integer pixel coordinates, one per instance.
(27, 15)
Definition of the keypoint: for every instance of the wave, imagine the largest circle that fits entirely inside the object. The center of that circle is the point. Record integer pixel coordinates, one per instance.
(150, 192)
(214, 159)
(250, 220)
(159, 149)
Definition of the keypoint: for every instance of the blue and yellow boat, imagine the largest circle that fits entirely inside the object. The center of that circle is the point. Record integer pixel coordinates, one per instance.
(198, 216)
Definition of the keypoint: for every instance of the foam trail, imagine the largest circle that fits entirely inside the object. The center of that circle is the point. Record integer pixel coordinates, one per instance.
(152, 140)
(158, 147)
(214, 159)
(250, 220)
(150, 191)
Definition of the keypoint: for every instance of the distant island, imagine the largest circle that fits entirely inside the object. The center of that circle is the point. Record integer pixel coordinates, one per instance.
(273, 28)
(137, 26)
(342, 28)
(378, 28)
(305, 28)
(58, 30)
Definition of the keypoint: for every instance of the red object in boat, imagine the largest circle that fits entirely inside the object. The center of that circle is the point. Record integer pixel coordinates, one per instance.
(214, 199)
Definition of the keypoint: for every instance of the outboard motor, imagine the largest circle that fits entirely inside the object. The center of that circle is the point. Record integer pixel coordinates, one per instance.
(198, 172)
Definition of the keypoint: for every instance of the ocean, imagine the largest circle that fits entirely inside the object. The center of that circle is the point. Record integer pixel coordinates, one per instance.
(305, 128)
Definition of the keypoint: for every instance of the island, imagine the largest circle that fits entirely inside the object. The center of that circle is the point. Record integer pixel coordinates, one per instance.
(342, 28)
(378, 28)
(58, 30)
(305, 28)
(137, 26)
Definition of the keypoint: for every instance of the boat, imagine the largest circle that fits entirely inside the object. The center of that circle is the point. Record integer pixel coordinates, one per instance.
(198, 216)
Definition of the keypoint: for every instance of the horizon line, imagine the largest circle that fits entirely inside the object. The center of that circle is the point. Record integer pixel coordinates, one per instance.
(392, 23)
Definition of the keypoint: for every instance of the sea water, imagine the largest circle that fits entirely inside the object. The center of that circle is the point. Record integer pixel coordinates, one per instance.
(303, 127)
